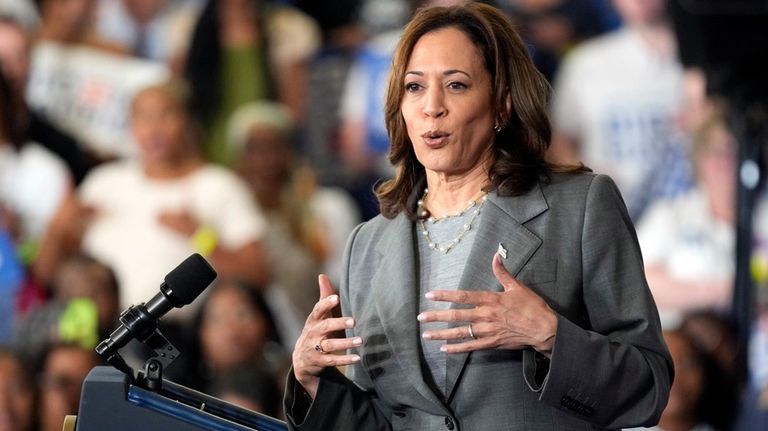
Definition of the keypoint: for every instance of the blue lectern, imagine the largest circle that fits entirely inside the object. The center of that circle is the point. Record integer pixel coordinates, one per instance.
(110, 401)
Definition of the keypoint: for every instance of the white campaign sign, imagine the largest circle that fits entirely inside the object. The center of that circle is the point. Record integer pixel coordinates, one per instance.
(88, 93)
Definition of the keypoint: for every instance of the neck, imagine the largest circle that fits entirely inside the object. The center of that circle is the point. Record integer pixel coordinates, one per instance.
(172, 170)
(658, 37)
(450, 194)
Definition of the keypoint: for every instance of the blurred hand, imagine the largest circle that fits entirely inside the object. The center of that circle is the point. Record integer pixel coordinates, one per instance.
(321, 337)
(180, 221)
(513, 319)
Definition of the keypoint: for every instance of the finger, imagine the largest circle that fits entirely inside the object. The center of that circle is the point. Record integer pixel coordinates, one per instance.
(505, 278)
(326, 289)
(328, 327)
(467, 346)
(323, 307)
(461, 296)
(338, 360)
(337, 344)
(447, 316)
(457, 333)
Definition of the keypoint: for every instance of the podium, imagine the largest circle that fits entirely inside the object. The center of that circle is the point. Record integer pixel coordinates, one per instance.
(110, 401)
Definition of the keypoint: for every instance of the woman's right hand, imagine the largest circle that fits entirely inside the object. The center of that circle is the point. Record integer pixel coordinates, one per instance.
(320, 338)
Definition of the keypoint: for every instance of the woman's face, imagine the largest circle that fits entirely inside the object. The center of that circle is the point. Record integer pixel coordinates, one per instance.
(159, 126)
(233, 331)
(447, 104)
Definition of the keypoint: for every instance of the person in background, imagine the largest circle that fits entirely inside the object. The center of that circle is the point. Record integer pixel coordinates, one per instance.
(701, 398)
(17, 394)
(15, 62)
(143, 217)
(156, 30)
(251, 387)
(71, 23)
(243, 51)
(60, 382)
(235, 330)
(83, 309)
(617, 100)
(495, 290)
(307, 222)
(688, 241)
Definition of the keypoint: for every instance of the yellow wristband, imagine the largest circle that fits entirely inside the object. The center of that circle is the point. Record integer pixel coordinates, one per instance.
(204, 240)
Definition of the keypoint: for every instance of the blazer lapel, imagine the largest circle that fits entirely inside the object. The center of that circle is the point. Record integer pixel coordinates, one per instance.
(501, 222)
(396, 296)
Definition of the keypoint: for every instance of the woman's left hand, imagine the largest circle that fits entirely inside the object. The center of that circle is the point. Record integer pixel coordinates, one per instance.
(513, 319)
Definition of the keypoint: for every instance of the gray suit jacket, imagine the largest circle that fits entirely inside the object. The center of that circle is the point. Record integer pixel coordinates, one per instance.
(572, 242)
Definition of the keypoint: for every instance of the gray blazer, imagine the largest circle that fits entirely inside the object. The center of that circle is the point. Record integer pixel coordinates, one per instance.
(572, 242)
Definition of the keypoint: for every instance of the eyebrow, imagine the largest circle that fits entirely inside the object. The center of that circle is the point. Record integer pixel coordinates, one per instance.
(446, 73)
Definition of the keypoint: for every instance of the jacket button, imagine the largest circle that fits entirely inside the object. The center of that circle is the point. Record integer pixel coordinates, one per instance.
(449, 423)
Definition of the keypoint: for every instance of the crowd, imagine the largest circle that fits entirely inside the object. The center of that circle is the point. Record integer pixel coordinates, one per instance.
(136, 132)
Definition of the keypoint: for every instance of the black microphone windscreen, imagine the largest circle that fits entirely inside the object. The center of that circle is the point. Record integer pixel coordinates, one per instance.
(188, 280)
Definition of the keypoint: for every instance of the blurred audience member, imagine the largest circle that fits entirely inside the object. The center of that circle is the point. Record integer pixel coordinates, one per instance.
(688, 241)
(71, 22)
(14, 60)
(151, 29)
(308, 224)
(235, 331)
(61, 380)
(554, 26)
(328, 68)
(616, 103)
(83, 309)
(142, 218)
(252, 388)
(17, 394)
(700, 399)
(33, 181)
(243, 51)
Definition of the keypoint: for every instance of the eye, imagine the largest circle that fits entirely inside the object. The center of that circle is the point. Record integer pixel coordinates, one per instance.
(412, 87)
(456, 85)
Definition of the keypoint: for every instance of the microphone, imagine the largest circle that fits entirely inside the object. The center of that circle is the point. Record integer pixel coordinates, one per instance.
(181, 286)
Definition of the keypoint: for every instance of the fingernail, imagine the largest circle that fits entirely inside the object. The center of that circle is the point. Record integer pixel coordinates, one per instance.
(429, 295)
(443, 348)
(497, 258)
(420, 317)
(355, 358)
(333, 298)
(349, 322)
(357, 341)
(426, 336)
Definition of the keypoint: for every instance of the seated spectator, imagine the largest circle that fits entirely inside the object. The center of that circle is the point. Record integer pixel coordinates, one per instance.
(307, 222)
(144, 217)
(83, 309)
(17, 394)
(688, 242)
(61, 380)
(235, 331)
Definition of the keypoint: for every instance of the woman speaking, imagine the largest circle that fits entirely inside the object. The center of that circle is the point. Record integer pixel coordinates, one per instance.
(495, 290)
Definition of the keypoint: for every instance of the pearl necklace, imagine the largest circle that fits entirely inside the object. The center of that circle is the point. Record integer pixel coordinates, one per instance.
(446, 247)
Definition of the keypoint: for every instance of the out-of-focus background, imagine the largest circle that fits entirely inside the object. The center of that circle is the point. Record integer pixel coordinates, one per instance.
(136, 132)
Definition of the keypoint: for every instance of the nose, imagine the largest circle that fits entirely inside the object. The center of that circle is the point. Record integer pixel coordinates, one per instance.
(434, 105)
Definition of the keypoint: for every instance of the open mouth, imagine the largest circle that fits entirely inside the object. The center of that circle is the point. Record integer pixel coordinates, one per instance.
(435, 138)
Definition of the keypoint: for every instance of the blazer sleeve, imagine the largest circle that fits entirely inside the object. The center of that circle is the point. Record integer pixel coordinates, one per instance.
(339, 404)
(617, 372)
